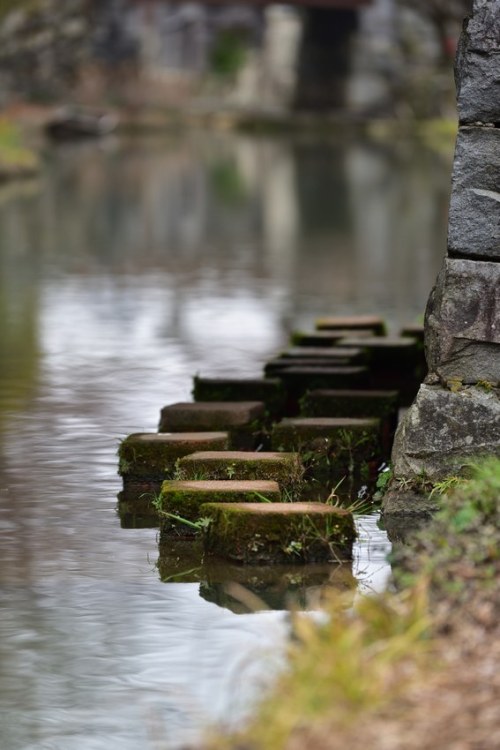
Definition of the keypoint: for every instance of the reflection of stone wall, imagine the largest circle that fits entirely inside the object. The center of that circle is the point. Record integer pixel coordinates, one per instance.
(456, 415)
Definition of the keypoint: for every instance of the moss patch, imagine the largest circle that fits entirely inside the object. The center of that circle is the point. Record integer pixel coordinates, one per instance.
(154, 455)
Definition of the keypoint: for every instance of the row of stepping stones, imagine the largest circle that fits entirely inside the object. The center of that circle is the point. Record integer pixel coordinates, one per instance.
(248, 460)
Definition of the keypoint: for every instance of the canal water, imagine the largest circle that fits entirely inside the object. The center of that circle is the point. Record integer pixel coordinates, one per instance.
(126, 268)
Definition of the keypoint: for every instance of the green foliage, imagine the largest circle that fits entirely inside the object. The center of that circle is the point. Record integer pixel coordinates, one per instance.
(15, 158)
(228, 53)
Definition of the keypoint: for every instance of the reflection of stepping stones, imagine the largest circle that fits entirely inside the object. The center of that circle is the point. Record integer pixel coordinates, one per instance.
(258, 533)
(184, 499)
(372, 322)
(284, 468)
(242, 419)
(268, 390)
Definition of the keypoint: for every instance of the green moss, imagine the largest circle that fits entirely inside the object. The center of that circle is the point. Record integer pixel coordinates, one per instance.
(349, 404)
(155, 455)
(15, 159)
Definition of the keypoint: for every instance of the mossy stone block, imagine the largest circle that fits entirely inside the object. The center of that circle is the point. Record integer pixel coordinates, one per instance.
(284, 468)
(352, 322)
(275, 367)
(265, 533)
(330, 444)
(353, 355)
(268, 390)
(350, 403)
(184, 498)
(298, 380)
(327, 338)
(151, 455)
(243, 420)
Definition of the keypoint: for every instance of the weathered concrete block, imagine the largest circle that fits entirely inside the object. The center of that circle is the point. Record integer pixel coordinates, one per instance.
(463, 322)
(328, 444)
(284, 468)
(153, 455)
(257, 533)
(350, 403)
(275, 367)
(242, 419)
(327, 338)
(268, 390)
(372, 322)
(185, 498)
(353, 355)
(474, 218)
(444, 430)
(395, 362)
(477, 70)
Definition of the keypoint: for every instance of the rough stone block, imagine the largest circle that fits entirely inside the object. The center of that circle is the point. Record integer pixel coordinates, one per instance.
(329, 444)
(154, 455)
(327, 338)
(242, 419)
(463, 322)
(474, 217)
(477, 69)
(275, 367)
(254, 533)
(414, 331)
(444, 430)
(268, 390)
(185, 498)
(372, 322)
(351, 355)
(284, 468)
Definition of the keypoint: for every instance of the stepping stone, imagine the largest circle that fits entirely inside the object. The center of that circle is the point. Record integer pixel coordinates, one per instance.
(242, 419)
(355, 356)
(330, 444)
(146, 459)
(185, 498)
(372, 322)
(415, 331)
(298, 380)
(395, 362)
(327, 338)
(353, 403)
(265, 533)
(284, 468)
(275, 367)
(268, 390)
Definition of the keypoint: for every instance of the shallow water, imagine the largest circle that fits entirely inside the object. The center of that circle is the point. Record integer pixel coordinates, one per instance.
(126, 268)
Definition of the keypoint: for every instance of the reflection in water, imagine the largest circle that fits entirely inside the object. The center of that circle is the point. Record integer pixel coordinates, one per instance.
(124, 271)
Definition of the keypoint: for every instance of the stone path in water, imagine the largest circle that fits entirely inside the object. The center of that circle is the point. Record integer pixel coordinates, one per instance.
(259, 456)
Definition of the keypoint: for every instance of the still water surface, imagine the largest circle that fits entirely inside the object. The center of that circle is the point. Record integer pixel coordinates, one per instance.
(125, 269)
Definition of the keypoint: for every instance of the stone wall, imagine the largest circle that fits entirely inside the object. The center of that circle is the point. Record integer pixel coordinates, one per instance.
(456, 415)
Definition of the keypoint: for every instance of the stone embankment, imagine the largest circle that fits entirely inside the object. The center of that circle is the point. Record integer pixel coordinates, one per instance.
(456, 416)
(254, 464)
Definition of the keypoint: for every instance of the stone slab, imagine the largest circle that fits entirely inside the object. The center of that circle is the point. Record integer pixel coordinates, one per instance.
(209, 415)
(268, 390)
(463, 322)
(414, 331)
(477, 69)
(185, 498)
(327, 338)
(284, 468)
(350, 403)
(444, 430)
(352, 354)
(275, 367)
(474, 217)
(372, 322)
(147, 455)
(259, 533)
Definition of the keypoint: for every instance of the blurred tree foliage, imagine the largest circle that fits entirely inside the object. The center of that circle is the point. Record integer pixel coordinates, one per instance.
(445, 16)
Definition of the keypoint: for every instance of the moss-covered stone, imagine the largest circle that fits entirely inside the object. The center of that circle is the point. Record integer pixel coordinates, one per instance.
(350, 403)
(298, 380)
(268, 390)
(274, 367)
(353, 322)
(395, 362)
(327, 338)
(355, 356)
(243, 420)
(330, 445)
(152, 456)
(184, 499)
(255, 533)
(284, 468)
